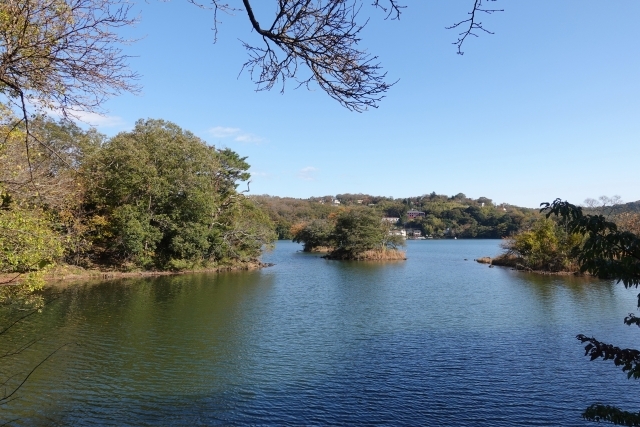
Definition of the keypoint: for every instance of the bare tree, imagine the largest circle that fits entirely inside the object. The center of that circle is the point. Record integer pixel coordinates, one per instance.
(61, 55)
(605, 205)
(591, 203)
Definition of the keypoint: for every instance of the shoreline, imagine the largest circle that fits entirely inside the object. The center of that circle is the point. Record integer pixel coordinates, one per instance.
(513, 263)
(70, 274)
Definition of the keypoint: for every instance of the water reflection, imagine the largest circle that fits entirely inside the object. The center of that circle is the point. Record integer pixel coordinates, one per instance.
(433, 340)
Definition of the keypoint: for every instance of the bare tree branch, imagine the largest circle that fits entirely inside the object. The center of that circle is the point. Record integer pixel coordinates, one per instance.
(7, 398)
(19, 349)
(3, 331)
(393, 9)
(472, 24)
(322, 35)
(217, 6)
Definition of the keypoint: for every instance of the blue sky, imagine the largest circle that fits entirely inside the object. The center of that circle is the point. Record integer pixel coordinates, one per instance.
(547, 107)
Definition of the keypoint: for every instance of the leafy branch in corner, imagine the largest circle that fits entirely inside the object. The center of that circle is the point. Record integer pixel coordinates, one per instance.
(608, 253)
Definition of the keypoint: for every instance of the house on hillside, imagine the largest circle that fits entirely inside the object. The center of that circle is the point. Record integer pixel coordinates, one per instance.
(414, 234)
(412, 214)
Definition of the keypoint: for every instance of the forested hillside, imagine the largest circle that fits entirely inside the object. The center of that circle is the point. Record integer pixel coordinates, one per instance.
(443, 216)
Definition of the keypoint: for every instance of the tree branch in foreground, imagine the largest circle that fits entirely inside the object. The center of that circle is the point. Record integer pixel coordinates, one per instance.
(8, 397)
(472, 24)
(62, 56)
(322, 35)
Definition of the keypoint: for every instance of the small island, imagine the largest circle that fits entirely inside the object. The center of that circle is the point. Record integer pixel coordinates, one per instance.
(357, 233)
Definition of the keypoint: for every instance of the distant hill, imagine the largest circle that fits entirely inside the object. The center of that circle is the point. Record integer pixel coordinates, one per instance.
(433, 215)
(628, 207)
(622, 208)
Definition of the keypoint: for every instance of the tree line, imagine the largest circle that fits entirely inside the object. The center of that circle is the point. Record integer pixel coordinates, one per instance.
(442, 216)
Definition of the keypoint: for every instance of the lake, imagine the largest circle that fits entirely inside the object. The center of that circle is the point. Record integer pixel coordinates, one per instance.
(435, 340)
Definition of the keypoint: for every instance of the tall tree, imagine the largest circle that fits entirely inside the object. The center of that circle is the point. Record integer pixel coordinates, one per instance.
(166, 199)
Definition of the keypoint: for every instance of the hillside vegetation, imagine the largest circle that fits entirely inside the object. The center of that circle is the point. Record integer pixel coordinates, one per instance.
(444, 216)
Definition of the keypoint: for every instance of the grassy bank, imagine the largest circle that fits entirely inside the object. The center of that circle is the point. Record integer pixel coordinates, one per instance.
(384, 254)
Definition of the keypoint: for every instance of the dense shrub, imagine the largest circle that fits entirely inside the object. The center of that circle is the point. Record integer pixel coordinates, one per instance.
(545, 246)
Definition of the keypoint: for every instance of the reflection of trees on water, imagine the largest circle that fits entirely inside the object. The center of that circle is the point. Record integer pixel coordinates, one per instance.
(164, 336)
(571, 297)
(578, 286)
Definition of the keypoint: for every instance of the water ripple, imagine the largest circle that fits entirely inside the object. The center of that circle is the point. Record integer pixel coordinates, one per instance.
(431, 341)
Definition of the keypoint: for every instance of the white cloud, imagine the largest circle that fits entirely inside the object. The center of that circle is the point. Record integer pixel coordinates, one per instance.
(308, 173)
(100, 120)
(237, 134)
(223, 132)
(249, 138)
(89, 118)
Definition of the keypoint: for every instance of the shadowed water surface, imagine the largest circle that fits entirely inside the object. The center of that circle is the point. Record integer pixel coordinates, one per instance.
(435, 340)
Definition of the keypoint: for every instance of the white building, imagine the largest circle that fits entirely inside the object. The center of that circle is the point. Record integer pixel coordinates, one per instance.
(402, 233)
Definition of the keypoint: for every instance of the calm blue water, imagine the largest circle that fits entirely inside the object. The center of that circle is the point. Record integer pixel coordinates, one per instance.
(434, 340)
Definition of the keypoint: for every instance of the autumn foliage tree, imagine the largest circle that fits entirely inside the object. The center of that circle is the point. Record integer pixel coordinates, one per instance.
(62, 55)
(39, 197)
